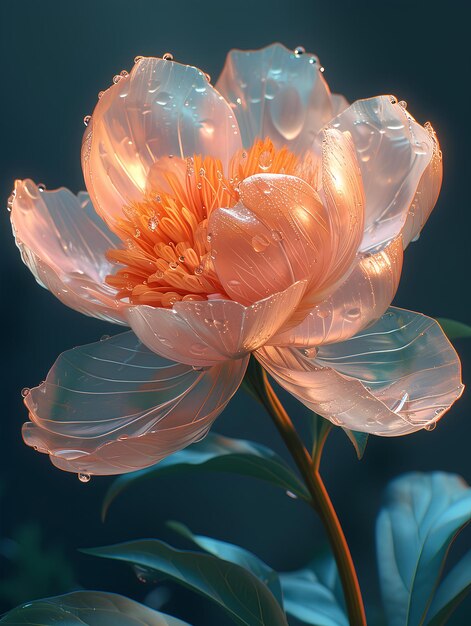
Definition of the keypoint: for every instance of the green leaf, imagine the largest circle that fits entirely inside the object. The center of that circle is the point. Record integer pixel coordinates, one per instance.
(314, 594)
(451, 592)
(320, 428)
(359, 441)
(454, 329)
(421, 515)
(234, 554)
(216, 453)
(88, 608)
(242, 595)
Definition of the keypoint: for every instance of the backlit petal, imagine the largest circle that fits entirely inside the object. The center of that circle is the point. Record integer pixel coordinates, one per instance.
(211, 331)
(360, 300)
(396, 377)
(63, 242)
(114, 407)
(401, 168)
(277, 234)
(162, 109)
(278, 94)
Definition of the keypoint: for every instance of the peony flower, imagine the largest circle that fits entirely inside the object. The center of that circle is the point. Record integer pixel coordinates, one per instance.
(261, 216)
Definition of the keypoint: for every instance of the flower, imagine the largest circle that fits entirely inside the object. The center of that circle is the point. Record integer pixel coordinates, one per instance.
(263, 215)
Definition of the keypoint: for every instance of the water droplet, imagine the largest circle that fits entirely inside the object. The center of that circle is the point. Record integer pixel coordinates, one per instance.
(207, 76)
(152, 223)
(137, 233)
(292, 495)
(41, 187)
(198, 270)
(209, 237)
(276, 235)
(137, 59)
(100, 94)
(84, 478)
(265, 160)
(181, 259)
(25, 391)
(116, 78)
(168, 56)
(431, 426)
(124, 73)
(104, 337)
(322, 312)
(353, 313)
(173, 266)
(86, 120)
(310, 353)
(260, 242)
(403, 104)
(299, 51)
(393, 99)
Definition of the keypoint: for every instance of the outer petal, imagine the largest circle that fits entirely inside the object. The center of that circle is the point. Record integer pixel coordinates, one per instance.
(278, 94)
(114, 407)
(278, 234)
(401, 168)
(204, 333)
(161, 109)
(63, 242)
(360, 300)
(395, 378)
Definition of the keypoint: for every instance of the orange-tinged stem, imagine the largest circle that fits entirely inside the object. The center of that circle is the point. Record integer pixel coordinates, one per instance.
(321, 501)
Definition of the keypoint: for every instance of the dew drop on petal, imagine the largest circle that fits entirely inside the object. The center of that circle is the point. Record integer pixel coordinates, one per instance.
(86, 120)
(167, 56)
(25, 391)
(299, 51)
(83, 477)
(431, 426)
(259, 243)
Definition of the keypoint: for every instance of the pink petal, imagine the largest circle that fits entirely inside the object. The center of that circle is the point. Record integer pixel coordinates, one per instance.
(400, 375)
(208, 332)
(360, 300)
(63, 242)
(278, 94)
(401, 167)
(162, 109)
(114, 407)
(344, 199)
(277, 234)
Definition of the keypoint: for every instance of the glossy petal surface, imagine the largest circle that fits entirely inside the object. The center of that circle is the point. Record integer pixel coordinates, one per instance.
(361, 299)
(396, 377)
(401, 168)
(278, 234)
(278, 94)
(208, 332)
(114, 407)
(162, 109)
(63, 242)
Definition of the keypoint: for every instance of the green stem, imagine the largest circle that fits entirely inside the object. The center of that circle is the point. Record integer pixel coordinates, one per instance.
(321, 502)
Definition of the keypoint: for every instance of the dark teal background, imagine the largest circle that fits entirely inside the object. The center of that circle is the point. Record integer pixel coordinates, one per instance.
(55, 57)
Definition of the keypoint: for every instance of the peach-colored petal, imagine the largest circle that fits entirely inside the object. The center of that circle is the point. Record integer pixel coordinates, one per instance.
(278, 94)
(401, 168)
(210, 331)
(360, 300)
(114, 407)
(342, 190)
(396, 377)
(63, 242)
(277, 234)
(161, 109)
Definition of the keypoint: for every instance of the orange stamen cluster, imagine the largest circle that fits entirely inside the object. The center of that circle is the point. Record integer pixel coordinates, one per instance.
(167, 257)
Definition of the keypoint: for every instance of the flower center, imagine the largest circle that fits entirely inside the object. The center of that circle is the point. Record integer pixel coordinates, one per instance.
(167, 255)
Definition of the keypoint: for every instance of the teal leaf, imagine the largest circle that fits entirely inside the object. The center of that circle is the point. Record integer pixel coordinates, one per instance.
(234, 554)
(314, 594)
(421, 515)
(242, 595)
(359, 441)
(88, 608)
(454, 329)
(451, 592)
(216, 453)
(320, 428)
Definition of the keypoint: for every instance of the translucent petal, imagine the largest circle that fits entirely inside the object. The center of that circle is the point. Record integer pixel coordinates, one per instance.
(114, 406)
(396, 377)
(398, 159)
(63, 242)
(342, 190)
(208, 332)
(278, 94)
(162, 109)
(360, 300)
(278, 234)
